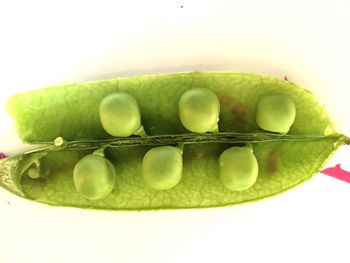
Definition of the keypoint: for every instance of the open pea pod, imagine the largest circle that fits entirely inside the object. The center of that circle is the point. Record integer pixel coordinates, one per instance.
(72, 112)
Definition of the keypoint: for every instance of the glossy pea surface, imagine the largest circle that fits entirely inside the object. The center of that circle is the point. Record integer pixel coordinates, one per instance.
(120, 114)
(238, 168)
(162, 167)
(275, 113)
(199, 110)
(94, 177)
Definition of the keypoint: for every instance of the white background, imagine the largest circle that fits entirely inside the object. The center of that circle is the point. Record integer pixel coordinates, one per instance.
(46, 43)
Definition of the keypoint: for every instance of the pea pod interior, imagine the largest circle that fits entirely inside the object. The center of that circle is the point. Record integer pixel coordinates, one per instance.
(71, 111)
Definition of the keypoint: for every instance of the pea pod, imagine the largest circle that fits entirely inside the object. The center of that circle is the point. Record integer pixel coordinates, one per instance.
(72, 112)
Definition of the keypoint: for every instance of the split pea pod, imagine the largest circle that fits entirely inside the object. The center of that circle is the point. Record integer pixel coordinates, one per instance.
(193, 171)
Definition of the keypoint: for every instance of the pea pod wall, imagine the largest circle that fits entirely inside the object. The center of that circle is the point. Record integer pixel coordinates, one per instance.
(71, 111)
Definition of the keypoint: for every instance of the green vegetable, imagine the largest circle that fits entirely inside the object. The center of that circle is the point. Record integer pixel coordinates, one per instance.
(238, 168)
(33, 173)
(72, 112)
(120, 114)
(162, 167)
(94, 177)
(276, 113)
(34, 170)
(199, 110)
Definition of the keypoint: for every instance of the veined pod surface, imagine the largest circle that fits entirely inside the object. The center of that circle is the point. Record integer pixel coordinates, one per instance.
(71, 111)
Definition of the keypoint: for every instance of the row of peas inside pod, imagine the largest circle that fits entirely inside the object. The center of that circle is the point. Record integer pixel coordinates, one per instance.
(94, 175)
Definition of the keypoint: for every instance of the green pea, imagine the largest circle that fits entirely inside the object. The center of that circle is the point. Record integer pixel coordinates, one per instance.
(120, 115)
(275, 113)
(238, 168)
(33, 173)
(162, 167)
(37, 170)
(94, 177)
(34, 170)
(199, 110)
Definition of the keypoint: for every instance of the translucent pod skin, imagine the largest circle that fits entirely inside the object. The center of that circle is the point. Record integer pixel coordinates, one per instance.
(162, 167)
(199, 110)
(120, 115)
(284, 161)
(275, 113)
(238, 168)
(94, 177)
